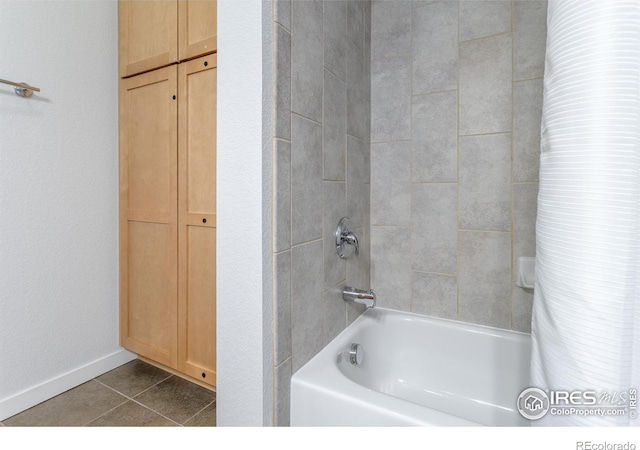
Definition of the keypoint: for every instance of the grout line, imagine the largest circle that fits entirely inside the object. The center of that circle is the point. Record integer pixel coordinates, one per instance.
(275, 169)
(333, 73)
(466, 230)
(458, 172)
(287, 359)
(356, 137)
(408, 227)
(390, 142)
(512, 203)
(107, 412)
(293, 113)
(274, 196)
(411, 156)
(278, 24)
(445, 183)
(324, 121)
(452, 275)
(152, 410)
(482, 37)
(209, 404)
(486, 134)
(528, 79)
(434, 92)
(290, 331)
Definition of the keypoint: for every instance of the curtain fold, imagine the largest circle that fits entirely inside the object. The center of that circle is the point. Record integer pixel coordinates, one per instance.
(586, 312)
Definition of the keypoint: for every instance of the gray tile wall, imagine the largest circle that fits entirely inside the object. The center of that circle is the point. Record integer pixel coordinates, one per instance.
(321, 154)
(456, 98)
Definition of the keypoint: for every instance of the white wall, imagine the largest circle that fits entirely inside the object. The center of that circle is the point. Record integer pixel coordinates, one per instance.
(58, 199)
(244, 311)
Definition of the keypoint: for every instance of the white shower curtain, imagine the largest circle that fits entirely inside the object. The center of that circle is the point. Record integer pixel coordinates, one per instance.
(586, 313)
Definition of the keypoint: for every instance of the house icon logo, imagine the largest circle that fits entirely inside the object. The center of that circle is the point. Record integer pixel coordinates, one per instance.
(533, 403)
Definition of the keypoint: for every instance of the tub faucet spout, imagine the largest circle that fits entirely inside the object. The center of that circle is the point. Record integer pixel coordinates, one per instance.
(360, 296)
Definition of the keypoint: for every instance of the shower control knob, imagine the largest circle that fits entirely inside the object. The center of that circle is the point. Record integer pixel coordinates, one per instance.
(356, 354)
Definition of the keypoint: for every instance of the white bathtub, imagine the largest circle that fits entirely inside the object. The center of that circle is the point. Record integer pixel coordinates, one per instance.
(416, 370)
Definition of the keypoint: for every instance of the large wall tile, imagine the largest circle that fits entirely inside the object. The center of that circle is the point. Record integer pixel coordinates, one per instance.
(355, 22)
(527, 115)
(335, 127)
(435, 47)
(435, 137)
(390, 71)
(282, 116)
(282, 194)
(484, 287)
(306, 302)
(357, 265)
(335, 208)
(335, 312)
(434, 295)
(391, 187)
(356, 101)
(485, 85)
(484, 18)
(306, 59)
(354, 311)
(434, 221)
(529, 39)
(357, 190)
(335, 42)
(306, 180)
(282, 306)
(391, 266)
(525, 210)
(282, 13)
(282, 385)
(522, 308)
(485, 182)
(367, 77)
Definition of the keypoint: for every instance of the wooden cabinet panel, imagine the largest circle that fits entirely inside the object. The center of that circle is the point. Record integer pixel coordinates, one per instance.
(197, 323)
(148, 35)
(148, 214)
(157, 33)
(197, 218)
(151, 292)
(198, 30)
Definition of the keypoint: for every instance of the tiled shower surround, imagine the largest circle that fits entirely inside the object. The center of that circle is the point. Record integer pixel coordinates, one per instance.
(320, 166)
(456, 101)
(420, 121)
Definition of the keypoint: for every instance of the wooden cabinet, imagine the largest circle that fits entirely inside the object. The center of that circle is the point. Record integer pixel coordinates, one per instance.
(157, 33)
(168, 216)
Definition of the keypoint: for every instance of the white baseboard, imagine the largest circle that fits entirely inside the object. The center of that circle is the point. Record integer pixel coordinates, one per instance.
(11, 406)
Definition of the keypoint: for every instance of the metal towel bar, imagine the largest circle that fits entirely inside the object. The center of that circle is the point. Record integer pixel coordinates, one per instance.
(21, 89)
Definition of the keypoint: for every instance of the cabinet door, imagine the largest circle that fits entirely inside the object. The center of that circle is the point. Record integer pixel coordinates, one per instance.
(148, 215)
(197, 219)
(148, 35)
(198, 28)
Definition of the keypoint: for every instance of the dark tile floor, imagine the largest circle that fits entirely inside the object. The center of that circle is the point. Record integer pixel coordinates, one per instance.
(136, 394)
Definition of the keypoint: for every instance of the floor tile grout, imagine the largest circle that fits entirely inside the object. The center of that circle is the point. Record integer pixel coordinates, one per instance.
(153, 410)
(214, 400)
(122, 379)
